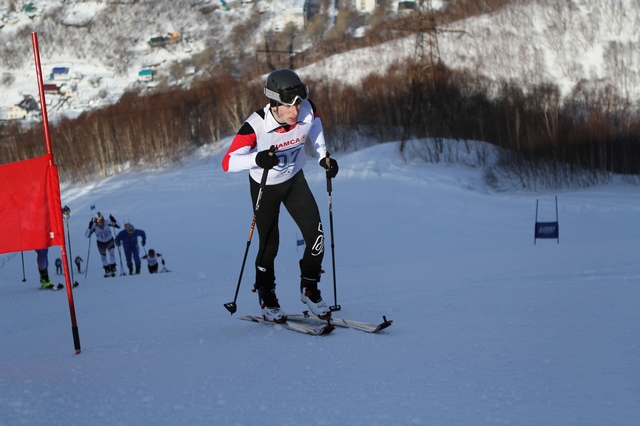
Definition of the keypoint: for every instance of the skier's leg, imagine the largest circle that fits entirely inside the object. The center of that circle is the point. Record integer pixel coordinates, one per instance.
(102, 249)
(127, 258)
(43, 259)
(135, 251)
(111, 247)
(303, 208)
(43, 267)
(269, 236)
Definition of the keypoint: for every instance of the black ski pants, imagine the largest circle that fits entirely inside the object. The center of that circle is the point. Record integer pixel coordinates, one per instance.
(297, 198)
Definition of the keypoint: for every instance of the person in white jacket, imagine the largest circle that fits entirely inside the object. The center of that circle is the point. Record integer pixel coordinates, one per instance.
(104, 239)
(287, 122)
(153, 260)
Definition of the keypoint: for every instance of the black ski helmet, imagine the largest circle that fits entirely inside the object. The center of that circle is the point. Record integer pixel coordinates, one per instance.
(99, 220)
(284, 87)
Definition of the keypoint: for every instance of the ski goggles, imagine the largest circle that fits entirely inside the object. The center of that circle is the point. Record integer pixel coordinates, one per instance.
(291, 96)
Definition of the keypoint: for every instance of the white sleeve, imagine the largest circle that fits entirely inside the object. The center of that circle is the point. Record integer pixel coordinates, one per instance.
(316, 135)
(242, 159)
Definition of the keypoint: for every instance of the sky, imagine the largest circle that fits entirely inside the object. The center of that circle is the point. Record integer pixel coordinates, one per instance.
(488, 327)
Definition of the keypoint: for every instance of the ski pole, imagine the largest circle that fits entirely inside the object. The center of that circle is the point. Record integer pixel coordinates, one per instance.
(93, 210)
(66, 211)
(335, 307)
(231, 306)
(86, 269)
(23, 276)
(120, 256)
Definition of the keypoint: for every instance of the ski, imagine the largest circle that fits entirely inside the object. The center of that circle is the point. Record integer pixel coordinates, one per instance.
(339, 322)
(300, 328)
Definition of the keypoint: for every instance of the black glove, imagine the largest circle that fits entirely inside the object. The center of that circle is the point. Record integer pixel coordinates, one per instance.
(162, 262)
(90, 223)
(267, 159)
(112, 219)
(332, 167)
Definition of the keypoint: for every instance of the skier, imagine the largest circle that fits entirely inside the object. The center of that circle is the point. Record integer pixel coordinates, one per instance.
(129, 239)
(43, 267)
(104, 239)
(286, 122)
(58, 266)
(153, 258)
(78, 261)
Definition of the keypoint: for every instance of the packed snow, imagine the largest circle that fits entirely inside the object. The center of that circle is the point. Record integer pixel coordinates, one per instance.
(488, 327)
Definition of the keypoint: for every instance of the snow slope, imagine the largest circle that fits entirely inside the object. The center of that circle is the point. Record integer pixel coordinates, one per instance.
(488, 327)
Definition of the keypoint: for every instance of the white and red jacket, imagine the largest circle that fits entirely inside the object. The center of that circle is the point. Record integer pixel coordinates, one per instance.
(261, 131)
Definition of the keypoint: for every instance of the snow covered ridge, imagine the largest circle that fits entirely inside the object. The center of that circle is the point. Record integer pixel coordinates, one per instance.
(529, 43)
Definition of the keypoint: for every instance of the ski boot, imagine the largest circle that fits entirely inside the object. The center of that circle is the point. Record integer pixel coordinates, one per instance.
(271, 310)
(112, 269)
(137, 269)
(130, 270)
(107, 271)
(44, 279)
(310, 295)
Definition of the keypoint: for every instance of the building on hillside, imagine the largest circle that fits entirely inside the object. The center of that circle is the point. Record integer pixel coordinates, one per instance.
(366, 5)
(159, 41)
(16, 113)
(59, 73)
(407, 6)
(28, 103)
(145, 75)
(295, 13)
(51, 89)
(174, 37)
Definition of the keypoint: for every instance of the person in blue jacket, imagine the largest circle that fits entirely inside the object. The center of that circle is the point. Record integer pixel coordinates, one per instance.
(128, 238)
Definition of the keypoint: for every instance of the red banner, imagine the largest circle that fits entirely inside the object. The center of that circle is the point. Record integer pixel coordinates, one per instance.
(30, 209)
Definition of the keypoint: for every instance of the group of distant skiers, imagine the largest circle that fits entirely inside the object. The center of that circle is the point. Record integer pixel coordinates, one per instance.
(127, 238)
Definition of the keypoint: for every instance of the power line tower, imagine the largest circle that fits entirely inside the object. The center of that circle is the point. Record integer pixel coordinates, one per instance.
(423, 76)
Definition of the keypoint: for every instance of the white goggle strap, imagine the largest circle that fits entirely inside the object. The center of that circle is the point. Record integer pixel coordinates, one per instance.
(276, 97)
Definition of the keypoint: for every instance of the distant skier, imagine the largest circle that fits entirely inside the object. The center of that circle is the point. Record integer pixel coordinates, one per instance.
(78, 261)
(105, 243)
(128, 238)
(58, 266)
(153, 258)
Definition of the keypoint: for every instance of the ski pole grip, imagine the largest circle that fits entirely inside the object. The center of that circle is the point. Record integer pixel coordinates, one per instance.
(265, 174)
(329, 189)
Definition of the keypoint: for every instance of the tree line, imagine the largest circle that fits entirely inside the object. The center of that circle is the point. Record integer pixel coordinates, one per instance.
(544, 140)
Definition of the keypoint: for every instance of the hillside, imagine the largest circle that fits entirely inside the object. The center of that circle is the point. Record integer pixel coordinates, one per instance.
(106, 44)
